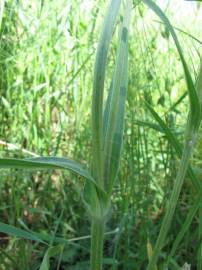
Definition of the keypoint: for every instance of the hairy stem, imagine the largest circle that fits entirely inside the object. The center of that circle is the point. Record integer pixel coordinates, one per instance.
(97, 239)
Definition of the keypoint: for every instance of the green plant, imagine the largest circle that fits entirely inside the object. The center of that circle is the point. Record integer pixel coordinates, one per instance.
(107, 133)
(191, 131)
(40, 69)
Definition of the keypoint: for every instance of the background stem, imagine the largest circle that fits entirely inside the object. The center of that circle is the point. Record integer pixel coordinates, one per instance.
(173, 200)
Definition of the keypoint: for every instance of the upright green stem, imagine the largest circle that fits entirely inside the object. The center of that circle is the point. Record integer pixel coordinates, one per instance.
(97, 238)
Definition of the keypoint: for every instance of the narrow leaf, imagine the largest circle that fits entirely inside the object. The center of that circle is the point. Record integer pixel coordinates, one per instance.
(186, 225)
(193, 96)
(115, 105)
(174, 142)
(51, 252)
(14, 231)
(98, 88)
(48, 163)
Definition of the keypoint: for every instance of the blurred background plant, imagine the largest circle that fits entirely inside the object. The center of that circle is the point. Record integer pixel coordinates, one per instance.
(47, 51)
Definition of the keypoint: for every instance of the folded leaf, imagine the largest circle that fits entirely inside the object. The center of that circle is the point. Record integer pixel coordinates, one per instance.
(96, 201)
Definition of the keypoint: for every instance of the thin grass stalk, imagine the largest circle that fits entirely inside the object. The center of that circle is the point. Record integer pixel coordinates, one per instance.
(196, 206)
(190, 139)
(185, 226)
(175, 144)
(172, 202)
(199, 259)
(192, 127)
(195, 181)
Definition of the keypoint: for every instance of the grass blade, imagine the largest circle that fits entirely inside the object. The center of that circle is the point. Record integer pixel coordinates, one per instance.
(174, 142)
(193, 123)
(185, 33)
(185, 226)
(193, 96)
(104, 162)
(45, 163)
(49, 163)
(116, 104)
(98, 88)
(52, 251)
(13, 231)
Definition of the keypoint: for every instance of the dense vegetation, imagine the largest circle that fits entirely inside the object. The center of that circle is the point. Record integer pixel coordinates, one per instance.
(47, 72)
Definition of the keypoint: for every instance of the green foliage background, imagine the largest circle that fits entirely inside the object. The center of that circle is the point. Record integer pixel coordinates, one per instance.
(47, 53)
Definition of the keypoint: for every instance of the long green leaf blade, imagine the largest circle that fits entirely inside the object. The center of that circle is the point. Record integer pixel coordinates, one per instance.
(50, 163)
(174, 142)
(45, 163)
(14, 231)
(98, 88)
(192, 127)
(116, 104)
(193, 96)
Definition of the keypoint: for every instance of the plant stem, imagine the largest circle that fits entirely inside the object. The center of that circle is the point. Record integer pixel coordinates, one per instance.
(97, 239)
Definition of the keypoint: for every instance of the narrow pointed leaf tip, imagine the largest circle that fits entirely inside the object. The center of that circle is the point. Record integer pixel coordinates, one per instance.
(195, 112)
